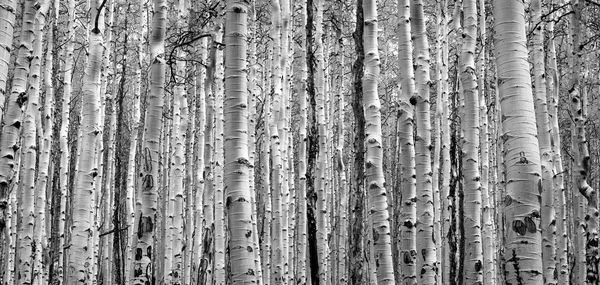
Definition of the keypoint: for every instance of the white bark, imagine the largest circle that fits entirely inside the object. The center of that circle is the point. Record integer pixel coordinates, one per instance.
(521, 150)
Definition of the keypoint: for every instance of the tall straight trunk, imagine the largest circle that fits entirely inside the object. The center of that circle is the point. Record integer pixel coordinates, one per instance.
(179, 162)
(29, 196)
(473, 259)
(207, 257)
(522, 252)
(445, 148)
(283, 134)
(548, 219)
(8, 9)
(316, 237)
(356, 227)
(219, 266)
(300, 65)
(341, 169)
(375, 182)
(12, 120)
(200, 182)
(199, 178)
(80, 253)
(252, 116)
(581, 165)
(177, 175)
(557, 164)
(275, 144)
(426, 260)
(408, 205)
(487, 203)
(63, 139)
(138, 89)
(43, 214)
(320, 123)
(239, 209)
(143, 270)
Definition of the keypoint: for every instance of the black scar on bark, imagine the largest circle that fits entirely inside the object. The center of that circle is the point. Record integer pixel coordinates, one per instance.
(147, 160)
(519, 227)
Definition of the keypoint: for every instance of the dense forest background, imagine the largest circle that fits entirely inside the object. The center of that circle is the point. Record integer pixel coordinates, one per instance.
(299, 141)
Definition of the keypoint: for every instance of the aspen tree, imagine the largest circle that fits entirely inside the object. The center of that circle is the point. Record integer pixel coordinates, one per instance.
(131, 197)
(425, 244)
(206, 263)
(8, 10)
(64, 130)
(283, 132)
(543, 133)
(218, 167)
(581, 163)
(199, 164)
(321, 137)
(252, 98)
(239, 209)
(341, 168)
(487, 203)
(236, 145)
(374, 155)
(144, 253)
(522, 251)
(266, 198)
(408, 209)
(275, 144)
(14, 108)
(437, 144)
(79, 254)
(27, 239)
(300, 78)
(445, 149)
(357, 258)
(558, 180)
(47, 119)
(470, 126)
(315, 191)
(179, 160)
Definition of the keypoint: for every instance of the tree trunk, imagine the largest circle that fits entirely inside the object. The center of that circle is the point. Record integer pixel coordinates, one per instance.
(426, 261)
(521, 150)
(146, 223)
(374, 151)
(473, 259)
(408, 205)
(548, 220)
(80, 253)
(237, 194)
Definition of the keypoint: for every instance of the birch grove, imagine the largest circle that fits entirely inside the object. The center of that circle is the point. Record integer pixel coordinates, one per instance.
(299, 142)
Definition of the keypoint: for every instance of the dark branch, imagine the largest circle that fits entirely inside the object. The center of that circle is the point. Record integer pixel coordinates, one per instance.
(96, 30)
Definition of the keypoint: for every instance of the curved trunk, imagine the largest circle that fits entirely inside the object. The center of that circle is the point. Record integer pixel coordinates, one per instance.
(521, 157)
